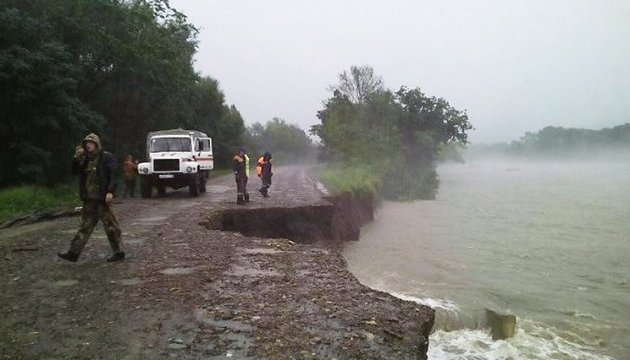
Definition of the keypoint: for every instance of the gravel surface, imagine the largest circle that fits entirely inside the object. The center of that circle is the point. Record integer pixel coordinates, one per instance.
(187, 292)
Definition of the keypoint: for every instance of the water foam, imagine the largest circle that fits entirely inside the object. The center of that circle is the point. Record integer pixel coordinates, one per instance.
(578, 314)
(531, 342)
(434, 303)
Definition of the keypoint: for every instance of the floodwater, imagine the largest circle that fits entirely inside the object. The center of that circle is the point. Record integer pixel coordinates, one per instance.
(547, 242)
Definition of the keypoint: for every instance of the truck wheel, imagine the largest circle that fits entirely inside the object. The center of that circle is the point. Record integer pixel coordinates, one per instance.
(193, 187)
(202, 182)
(145, 187)
(161, 190)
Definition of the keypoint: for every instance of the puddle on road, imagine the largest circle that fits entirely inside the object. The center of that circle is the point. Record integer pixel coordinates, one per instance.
(249, 271)
(218, 188)
(177, 271)
(154, 220)
(129, 282)
(239, 333)
(304, 273)
(69, 282)
(202, 316)
(259, 251)
(184, 205)
(70, 231)
(133, 242)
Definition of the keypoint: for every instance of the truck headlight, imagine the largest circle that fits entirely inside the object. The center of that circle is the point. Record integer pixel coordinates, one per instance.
(188, 169)
(145, 170)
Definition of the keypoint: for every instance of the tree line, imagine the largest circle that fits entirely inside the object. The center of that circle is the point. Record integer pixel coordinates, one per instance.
(553, 140)
(286, 142)
(395, 135)
(560, 142)
(116, 68)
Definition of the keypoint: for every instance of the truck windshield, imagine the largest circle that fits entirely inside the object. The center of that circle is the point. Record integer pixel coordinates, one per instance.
(170, 144)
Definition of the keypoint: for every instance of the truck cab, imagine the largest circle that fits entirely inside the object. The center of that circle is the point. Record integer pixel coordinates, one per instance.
(176, 158)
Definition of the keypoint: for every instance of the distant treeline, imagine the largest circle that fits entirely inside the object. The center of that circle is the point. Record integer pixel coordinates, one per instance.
(558, 141)
(389, 139)
(286, 142)
(114, 67)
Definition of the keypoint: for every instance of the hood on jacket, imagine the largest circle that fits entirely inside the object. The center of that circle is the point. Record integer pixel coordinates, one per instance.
(93, 138)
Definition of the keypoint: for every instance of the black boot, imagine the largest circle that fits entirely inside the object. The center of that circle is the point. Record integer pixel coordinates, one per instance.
(116, 257)
(70, 256)
(239, 200)
(247, 197)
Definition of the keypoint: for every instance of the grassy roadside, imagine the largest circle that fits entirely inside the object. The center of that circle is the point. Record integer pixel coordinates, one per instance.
(18, 201)
(22, 200)
(354, 181)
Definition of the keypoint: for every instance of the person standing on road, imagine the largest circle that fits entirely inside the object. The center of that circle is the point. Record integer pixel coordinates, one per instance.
(246, 174)
(97, 169)
(240, 175)
(130, 174)
(263, 170)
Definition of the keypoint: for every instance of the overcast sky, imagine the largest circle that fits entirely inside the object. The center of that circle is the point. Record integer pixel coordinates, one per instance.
(515, 66)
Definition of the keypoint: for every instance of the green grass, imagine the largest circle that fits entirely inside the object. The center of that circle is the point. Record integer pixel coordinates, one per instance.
(355, 181)
(22, 200)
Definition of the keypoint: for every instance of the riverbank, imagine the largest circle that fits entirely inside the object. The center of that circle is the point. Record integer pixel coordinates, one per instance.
(189, 292)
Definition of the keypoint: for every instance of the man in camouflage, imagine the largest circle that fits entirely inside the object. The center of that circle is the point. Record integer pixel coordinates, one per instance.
(241, 174)
(97, 169)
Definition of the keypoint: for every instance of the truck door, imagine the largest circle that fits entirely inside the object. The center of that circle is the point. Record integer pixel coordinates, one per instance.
(204, 154)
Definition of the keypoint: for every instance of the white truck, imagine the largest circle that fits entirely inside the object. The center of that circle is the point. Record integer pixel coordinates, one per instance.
(177, 158)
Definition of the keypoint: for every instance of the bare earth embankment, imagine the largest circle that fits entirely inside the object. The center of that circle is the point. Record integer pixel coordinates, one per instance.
(189, 292)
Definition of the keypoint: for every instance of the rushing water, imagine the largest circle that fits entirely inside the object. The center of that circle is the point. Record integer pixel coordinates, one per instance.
(547, 242)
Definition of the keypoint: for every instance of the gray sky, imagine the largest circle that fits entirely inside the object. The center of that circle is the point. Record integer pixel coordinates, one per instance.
(516, 66)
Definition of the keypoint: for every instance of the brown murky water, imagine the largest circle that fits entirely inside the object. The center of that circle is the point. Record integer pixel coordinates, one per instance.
(547, 242)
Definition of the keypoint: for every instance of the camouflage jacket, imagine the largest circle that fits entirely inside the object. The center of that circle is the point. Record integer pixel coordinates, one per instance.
(105, 172)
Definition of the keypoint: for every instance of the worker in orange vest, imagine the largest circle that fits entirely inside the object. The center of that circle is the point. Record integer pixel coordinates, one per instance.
(130, 173)
(263, 170)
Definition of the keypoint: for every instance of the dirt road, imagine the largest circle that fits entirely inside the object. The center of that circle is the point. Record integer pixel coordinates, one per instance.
(188, 292)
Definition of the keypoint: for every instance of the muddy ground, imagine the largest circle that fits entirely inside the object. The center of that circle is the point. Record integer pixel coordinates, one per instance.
(188, 292)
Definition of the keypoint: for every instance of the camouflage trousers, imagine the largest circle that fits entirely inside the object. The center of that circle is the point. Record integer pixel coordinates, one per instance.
(92, 212)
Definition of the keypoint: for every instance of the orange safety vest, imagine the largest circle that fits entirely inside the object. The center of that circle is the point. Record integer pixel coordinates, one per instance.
(259, 166)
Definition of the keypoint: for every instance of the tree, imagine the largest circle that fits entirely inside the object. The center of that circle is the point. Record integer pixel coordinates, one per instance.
(396, 135)
(41, 113)
(227, 135)
(358, 84)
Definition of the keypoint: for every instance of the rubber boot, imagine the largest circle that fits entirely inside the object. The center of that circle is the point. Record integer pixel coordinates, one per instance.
(247, 197)
(68, 256)
(116, 257)
(239, 200)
